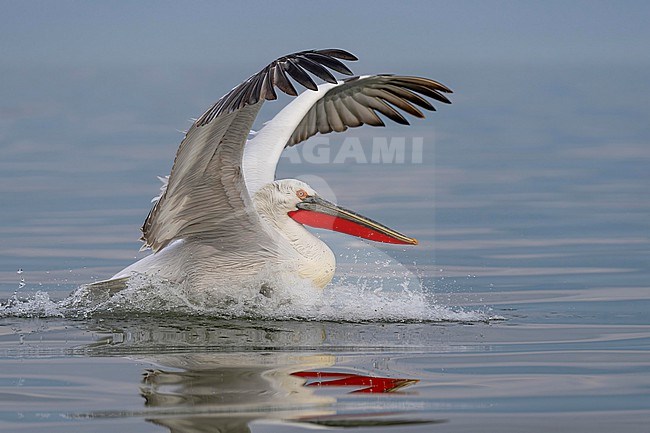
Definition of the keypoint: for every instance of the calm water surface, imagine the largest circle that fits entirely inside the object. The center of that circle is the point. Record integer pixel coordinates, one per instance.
(526, 306)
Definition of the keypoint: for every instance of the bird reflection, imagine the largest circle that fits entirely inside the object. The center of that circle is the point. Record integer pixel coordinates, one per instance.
(226, 392)
(212, 378)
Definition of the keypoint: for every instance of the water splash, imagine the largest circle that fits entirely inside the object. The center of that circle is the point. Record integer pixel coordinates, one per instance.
(342, 301)
(37, 305)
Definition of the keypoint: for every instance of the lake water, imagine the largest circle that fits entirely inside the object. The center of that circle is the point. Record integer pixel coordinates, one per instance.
(526, 306)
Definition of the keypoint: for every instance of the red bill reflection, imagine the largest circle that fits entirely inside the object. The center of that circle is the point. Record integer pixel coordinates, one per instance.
(367, 384)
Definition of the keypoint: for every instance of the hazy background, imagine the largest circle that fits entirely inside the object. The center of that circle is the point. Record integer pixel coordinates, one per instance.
(547, 137)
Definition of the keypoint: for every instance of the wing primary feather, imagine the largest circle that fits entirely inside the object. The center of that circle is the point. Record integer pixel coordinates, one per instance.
(410, 96)
(251, 92)
(395, 100)
(338, 53)
(426, 91)
(256, 94)
(280, 79)
(239, 98)
(330, 62)
(317, 69)
(428, 88)
(427, 82)
(393, 114)
(299, 75)
(268, 91)
(363, 113)
(381, 106)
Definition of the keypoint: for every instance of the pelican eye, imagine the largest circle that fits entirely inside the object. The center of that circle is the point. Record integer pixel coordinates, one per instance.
(302, 194)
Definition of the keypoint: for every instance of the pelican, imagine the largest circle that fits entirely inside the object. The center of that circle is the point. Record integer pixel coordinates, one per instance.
(223, 220)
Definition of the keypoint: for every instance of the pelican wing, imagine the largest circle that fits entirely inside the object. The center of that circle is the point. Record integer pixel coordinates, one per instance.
(359, 100)
(205, 196)
(336, 107)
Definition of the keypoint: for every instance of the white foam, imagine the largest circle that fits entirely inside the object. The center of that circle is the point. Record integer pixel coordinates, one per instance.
(363, 301)
(37, 305)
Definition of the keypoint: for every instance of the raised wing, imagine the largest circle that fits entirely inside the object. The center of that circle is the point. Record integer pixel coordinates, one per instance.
(205, 195)
(359, 100)
(337, 107)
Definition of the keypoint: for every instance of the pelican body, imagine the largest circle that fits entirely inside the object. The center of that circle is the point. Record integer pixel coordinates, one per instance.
(223, 220)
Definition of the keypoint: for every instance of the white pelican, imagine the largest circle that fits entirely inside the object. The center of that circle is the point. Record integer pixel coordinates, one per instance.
(223, 220)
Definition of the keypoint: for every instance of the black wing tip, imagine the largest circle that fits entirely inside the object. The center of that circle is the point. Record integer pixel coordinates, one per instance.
(275, 74)
(339, 54)
(329, 52)
(413, 89)
(425, 86)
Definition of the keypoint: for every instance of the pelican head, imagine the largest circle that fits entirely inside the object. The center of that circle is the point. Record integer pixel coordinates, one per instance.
(290, 204)
(300, 202)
